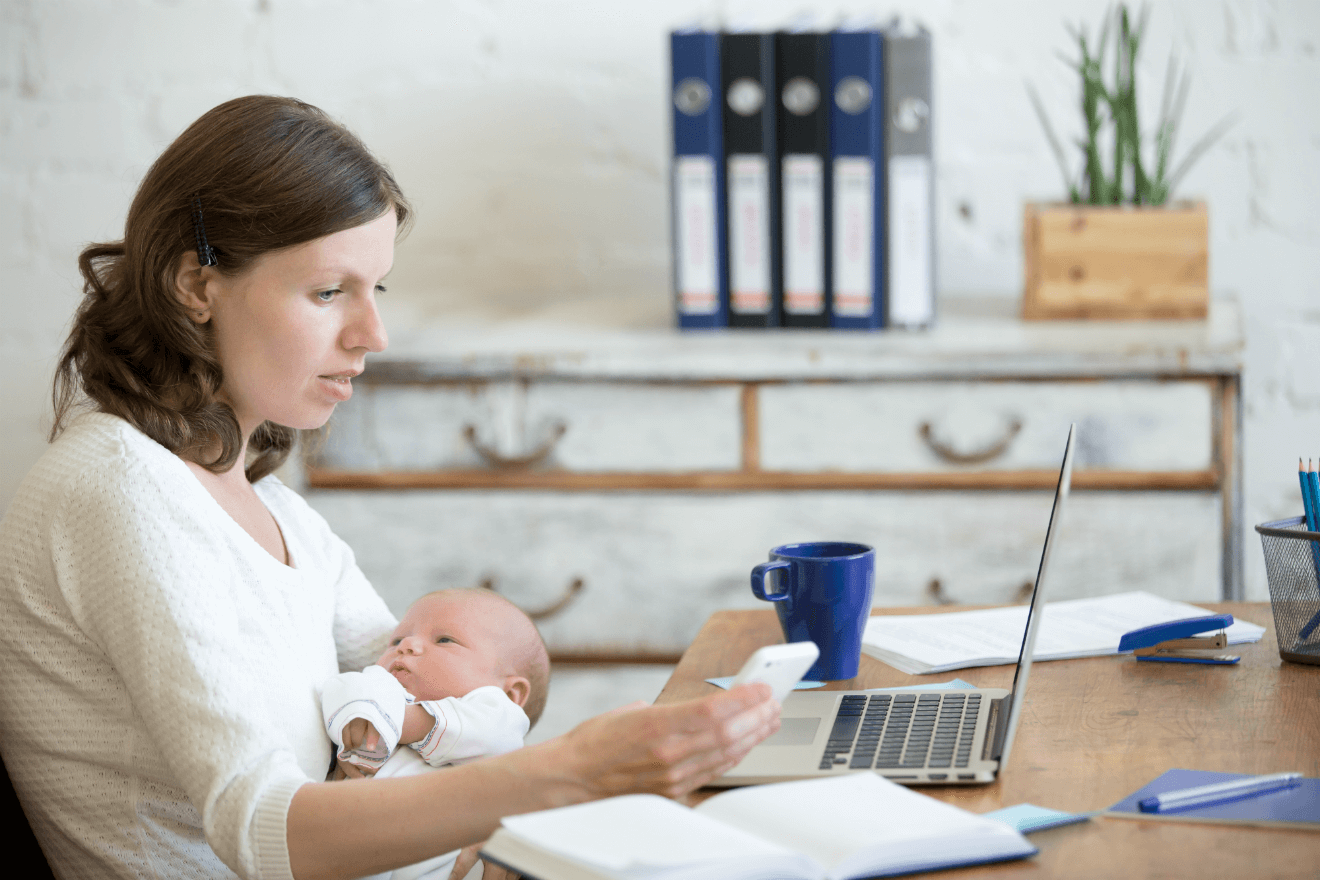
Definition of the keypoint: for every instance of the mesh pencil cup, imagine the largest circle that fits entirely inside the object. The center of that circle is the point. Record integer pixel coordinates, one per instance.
(1292, 555)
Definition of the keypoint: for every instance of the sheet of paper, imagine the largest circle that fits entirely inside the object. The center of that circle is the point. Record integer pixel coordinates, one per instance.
(1072, 628)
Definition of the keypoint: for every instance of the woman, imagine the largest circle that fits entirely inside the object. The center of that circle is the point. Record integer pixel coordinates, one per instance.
(167, 607)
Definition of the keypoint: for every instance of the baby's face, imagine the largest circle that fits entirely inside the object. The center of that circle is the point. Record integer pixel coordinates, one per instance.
(449, 644)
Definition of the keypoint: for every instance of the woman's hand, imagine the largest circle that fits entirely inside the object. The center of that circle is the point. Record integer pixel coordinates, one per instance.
(671, 749)
(467, 857)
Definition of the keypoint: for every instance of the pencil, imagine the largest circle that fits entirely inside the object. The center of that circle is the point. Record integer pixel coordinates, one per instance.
(1308, 507)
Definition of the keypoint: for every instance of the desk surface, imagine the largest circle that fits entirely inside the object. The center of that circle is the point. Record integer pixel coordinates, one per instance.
(1097, 729)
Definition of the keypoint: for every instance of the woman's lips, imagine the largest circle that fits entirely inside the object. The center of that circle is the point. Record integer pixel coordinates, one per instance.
(338, 386)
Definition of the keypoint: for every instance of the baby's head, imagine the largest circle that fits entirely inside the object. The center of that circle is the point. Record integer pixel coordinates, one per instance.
(453, 641)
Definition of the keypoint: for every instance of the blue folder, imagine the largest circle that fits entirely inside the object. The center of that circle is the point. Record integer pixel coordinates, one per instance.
(1296, 807)
(857, 141)
(699, 179)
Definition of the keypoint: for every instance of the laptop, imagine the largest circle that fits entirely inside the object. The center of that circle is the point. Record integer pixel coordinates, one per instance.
(913, 737)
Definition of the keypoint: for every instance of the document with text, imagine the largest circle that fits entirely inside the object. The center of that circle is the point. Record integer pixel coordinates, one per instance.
(921, 643)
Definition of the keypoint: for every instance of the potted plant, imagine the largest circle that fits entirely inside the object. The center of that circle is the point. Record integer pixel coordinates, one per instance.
(1119, 248)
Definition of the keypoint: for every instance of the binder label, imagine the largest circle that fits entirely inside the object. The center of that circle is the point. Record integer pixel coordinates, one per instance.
(804, 246)
(749, 234)
(696, 259)
(854, 236)
(911, 281)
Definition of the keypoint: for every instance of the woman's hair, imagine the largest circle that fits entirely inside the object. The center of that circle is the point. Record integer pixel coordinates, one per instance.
(263, 173)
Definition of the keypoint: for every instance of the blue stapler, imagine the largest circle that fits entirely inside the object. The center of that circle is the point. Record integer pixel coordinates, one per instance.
(1177, 641)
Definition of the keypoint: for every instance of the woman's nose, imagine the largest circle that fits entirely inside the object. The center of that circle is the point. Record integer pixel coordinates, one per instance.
(365, 329)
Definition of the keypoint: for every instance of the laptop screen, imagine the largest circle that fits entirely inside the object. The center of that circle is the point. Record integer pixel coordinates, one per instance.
(1023, 670)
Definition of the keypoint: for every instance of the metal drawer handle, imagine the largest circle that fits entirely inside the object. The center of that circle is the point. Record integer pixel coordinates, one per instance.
(935, 593)
(495, 459)
(979, 456)
(570, 593)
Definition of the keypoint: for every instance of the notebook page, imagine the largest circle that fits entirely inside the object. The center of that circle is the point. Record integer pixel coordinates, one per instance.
(635, 830)
(858, 821)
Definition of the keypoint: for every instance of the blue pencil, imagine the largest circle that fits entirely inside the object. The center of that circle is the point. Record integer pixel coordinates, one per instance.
(1308, 511)
(1311, 502)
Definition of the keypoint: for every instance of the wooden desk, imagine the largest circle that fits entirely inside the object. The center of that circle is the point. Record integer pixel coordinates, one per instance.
(1095, 730)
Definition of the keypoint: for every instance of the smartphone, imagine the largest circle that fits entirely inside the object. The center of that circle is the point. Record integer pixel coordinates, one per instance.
(780, 666)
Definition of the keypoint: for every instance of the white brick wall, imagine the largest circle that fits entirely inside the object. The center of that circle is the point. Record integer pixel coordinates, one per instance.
(531, 136)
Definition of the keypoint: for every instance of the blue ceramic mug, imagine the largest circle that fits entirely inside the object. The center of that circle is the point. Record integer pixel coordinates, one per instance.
(822, 592)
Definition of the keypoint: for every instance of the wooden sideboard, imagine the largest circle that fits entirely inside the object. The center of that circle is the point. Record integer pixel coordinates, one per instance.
(620, 482)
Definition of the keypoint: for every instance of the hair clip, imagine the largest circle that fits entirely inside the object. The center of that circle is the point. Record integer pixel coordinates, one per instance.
(205, 253)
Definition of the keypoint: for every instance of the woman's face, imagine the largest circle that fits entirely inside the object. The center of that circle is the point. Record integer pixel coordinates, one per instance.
(293, 330)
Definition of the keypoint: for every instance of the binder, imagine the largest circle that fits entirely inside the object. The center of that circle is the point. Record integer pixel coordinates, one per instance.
(701, 280)
(857, 142)
(802, 77)
(748, 76)
(909, 187)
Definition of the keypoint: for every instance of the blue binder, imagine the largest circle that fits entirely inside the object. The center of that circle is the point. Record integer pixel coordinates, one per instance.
(701, 276)
(857, 138)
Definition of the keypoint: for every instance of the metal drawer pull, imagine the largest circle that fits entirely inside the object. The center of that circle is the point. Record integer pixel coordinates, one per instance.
(935, 593)
(495, 459)
(570, 593)
(953, 456)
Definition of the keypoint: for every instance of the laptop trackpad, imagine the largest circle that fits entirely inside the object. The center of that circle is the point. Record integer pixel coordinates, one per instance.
(794, 732)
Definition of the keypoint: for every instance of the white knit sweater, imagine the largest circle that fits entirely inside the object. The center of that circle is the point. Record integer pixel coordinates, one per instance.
(158, 668)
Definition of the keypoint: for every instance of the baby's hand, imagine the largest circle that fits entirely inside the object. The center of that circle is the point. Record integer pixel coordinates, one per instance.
(364, 750)
(364, 714)
(360, 734)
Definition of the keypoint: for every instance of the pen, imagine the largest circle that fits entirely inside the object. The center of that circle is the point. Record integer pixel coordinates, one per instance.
(1218, 793)
(1311, 495)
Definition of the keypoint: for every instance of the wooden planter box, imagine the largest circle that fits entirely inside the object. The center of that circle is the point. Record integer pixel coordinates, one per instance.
(1115, 262)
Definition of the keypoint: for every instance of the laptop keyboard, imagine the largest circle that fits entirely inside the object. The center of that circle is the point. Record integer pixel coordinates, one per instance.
(903, 731)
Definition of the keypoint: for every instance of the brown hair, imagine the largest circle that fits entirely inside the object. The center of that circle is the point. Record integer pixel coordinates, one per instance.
(267, 173)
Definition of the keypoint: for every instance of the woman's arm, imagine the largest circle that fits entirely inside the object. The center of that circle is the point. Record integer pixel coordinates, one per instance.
(348, 829)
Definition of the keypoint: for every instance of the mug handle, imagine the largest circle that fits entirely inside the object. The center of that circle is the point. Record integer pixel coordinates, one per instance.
(761, 574)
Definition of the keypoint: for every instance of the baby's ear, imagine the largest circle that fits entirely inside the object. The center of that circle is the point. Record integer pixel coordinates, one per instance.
(518, 689)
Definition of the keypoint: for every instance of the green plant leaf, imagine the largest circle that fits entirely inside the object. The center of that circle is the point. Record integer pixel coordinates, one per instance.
(1198, 149)
(1055, 146)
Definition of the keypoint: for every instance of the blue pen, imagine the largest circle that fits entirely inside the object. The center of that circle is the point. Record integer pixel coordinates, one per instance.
(1313, 484)
(1311, 502)
(1218, 793)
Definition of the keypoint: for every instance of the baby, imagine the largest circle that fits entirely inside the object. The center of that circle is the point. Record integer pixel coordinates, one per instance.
(465, 675)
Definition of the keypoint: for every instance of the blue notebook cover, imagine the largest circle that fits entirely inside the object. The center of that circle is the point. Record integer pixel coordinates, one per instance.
(701, 276)
(857, 139)
(1297, 807)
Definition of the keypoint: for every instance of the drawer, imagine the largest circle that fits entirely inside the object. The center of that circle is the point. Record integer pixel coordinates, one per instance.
(873, 427)
(655, 565)
(588, 427)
